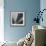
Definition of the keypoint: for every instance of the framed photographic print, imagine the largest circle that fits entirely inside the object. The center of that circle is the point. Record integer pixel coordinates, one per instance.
(17, 18)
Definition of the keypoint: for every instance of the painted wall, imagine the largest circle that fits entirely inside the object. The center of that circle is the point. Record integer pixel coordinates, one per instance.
(30, 7)
(1, 21)
(43, 6)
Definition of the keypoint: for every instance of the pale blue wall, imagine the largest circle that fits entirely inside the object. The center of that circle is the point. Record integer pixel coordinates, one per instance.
(30, 7)
(43, 6)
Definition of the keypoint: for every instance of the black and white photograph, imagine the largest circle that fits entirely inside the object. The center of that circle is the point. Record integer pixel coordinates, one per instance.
(18, 18)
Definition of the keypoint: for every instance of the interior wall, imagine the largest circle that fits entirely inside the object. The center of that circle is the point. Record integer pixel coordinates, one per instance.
(1, 21)
(30, 7)
(43, 6)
